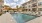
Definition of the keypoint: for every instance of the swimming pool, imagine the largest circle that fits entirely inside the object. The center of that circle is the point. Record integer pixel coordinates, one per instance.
(22, 18)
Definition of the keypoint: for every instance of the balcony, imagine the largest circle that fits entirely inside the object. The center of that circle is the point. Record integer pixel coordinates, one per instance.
(34, 5)
(34, 9)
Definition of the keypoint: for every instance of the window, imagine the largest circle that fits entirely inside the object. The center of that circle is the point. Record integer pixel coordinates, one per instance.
(40, 3)
(24, 10)
(34, 9)
(40, 9)
(29, 6)
(34, 0)
(29, 10)
(34, 5)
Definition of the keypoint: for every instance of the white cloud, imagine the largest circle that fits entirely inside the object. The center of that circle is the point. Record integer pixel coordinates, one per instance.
(6, 3)
(14, 4)
(27, 0)
(23, 1)
(16, 0)
(11, 4)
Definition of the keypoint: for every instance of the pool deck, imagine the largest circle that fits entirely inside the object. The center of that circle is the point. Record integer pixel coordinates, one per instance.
(7, 18)
(37, 20)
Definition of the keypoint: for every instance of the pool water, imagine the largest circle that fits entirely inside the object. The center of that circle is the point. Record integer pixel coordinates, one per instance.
(22, 18)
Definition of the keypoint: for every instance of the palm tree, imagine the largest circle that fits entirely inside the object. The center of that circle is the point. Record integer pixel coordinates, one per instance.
(17, 7)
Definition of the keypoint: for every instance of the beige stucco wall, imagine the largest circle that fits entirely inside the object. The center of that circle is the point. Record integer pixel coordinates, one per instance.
(39, 0)
(39, 6)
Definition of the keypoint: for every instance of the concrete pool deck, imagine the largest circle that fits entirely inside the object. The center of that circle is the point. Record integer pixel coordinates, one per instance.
(7, 18)
(37, 20)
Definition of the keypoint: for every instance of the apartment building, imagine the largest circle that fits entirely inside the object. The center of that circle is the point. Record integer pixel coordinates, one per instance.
(33, 6)
(40, 7)
(30, 5)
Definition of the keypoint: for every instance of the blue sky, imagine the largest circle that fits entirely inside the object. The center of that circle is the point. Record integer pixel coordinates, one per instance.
(13, 3)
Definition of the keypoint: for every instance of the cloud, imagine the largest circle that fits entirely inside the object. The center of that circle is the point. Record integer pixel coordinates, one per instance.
(16, 0)
(5, 3)
(13, 3)
(27, 0)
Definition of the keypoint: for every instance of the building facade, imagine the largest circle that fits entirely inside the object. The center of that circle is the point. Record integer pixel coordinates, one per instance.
(40, 7)
(33, 6)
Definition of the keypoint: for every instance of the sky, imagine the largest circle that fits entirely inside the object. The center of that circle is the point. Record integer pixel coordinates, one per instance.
(14, 3)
